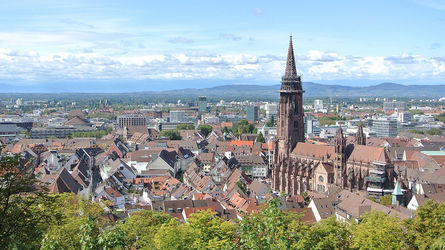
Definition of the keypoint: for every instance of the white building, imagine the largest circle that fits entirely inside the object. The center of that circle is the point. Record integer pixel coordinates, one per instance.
(271, 110)
(318, 104)
(177, 116)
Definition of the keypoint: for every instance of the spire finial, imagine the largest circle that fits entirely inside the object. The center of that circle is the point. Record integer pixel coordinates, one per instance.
(291, 70)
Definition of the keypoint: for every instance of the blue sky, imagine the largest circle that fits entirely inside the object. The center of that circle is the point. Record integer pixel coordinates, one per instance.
(49, 43)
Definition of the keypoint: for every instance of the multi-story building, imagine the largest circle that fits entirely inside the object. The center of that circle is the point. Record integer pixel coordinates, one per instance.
(318, 104)
(271, 110)
(177, 116)
(312, 126)
(404, 117)
(390, 107)
(58, 131)
(202, 104)
(252, 113)
(131, 120)
(384, 127)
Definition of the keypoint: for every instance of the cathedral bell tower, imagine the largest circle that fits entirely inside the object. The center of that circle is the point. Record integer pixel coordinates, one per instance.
(340, 159)
(290, 124)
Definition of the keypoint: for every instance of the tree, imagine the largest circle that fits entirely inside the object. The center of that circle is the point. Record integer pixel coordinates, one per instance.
(271, 122)
(386, 199)
(326, 234)
(434, 131)
(377, 230)
(226, 130)
(140, 228)
(78, 225)
(171, 134)
(440, 117)
(23, 200)
(271, 228)
(428, 225)
(260, 138)
(171, 236)
(243, 127)
(207, 231)
(415, 131)
(185, 127)
(205, 129)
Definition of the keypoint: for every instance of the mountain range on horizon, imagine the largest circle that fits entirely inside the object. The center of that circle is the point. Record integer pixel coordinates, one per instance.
(252, 91)
(317, 90)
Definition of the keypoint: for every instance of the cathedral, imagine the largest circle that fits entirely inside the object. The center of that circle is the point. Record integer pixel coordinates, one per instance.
(299, 166)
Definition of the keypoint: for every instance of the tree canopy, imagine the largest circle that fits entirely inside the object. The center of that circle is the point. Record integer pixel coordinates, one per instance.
(170, 134)
(205, 129)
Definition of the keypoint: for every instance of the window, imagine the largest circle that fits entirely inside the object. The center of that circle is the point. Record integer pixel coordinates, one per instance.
(320, 178)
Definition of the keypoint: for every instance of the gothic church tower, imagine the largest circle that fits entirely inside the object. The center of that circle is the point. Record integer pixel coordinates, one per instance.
(290, 124)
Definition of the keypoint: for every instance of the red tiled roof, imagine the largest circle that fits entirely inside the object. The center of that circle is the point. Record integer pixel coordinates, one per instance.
(314, 150)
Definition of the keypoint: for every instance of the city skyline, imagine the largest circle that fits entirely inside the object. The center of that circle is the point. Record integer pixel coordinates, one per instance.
(155, 46)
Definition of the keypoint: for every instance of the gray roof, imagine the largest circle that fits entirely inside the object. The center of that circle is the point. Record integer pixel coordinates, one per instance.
(10, 128)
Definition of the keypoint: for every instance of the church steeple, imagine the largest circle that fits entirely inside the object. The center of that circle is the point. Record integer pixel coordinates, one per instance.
(360, 137)
(291, 81)
(291, 69)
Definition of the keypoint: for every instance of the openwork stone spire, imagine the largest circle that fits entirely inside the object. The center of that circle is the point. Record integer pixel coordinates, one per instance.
(360, 137)
(291, 69)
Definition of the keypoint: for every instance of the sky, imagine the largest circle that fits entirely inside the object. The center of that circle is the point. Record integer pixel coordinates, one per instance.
(120, 46)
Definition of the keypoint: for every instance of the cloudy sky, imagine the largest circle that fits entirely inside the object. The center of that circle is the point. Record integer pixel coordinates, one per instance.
(152, 45)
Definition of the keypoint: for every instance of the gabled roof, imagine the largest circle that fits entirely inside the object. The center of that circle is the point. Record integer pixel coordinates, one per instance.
(356, 206)
(76, 120)
(368, 154)
(314, 150)
(64, 183)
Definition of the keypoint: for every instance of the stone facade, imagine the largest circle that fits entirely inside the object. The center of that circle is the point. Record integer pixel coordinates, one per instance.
(299, 167)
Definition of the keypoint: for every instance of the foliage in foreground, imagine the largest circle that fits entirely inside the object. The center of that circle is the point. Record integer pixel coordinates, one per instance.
(32, 219)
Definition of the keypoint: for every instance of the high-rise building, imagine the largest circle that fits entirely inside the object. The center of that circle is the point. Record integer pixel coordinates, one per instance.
(177, 116)
(318, 104)
(271, 110)
(131, 120)
(384, 127)
(311, 126)
(252, 113)
(202, 104)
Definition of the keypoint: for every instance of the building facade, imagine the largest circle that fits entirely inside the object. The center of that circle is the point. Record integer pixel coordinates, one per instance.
(177, 116)
(385, 127)
(252, 113)
(394, 106)
(202, 104)
(131, 120)
(299, 166)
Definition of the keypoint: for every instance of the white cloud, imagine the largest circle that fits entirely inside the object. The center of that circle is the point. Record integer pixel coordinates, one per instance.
(314, 65)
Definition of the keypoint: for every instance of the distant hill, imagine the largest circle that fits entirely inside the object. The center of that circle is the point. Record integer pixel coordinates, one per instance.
(313, 90)
(253, 92)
